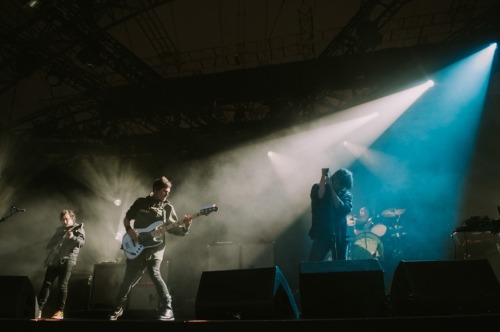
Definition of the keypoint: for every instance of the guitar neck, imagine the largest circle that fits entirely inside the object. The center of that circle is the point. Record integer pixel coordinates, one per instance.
(165, 227)
(196, 215)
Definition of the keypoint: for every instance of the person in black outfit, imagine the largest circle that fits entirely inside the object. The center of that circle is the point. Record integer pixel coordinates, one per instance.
(62, 252)
(331, 202)
(147, 213)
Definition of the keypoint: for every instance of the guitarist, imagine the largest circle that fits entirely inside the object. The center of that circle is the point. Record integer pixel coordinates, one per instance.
(144, 212)
(62, 252)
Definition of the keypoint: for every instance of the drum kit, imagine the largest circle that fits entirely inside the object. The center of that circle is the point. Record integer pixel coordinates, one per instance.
(367, 242)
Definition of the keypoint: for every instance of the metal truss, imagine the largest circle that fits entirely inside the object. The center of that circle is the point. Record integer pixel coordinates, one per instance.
(148, 103)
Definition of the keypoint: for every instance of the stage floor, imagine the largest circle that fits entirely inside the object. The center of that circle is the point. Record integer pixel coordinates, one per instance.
(487, 322)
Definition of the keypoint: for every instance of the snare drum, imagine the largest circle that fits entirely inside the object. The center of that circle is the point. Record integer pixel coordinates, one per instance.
(366, 246)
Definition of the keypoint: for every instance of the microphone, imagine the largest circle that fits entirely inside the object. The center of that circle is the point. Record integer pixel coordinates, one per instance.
(18, 209)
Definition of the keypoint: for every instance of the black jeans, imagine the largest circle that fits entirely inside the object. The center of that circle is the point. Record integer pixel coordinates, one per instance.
(321, 246)
(62, 272)
(133, 273)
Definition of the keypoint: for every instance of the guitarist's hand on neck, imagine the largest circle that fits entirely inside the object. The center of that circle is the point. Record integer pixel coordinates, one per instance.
(186, 221)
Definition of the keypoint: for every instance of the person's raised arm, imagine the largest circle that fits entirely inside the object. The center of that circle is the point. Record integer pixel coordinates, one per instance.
(324, 180)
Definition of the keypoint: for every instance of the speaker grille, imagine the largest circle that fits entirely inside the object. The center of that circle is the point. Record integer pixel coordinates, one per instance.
(18, 297)
(444, 288)
(261, 293)
(106, 280)
(339, 289)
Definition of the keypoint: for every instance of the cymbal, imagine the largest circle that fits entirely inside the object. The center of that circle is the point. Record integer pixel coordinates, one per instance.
(391, 213)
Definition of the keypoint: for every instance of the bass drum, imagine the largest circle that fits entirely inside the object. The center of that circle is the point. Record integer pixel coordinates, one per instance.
(366, 246)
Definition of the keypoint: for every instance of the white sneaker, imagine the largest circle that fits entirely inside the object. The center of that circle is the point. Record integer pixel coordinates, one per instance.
(58, 315)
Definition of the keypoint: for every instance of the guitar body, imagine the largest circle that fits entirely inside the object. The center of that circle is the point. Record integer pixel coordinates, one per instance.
(149, 236)
(146, 240)
(55, 250)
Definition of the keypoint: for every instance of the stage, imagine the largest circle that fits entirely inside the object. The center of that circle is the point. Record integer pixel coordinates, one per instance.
(487, 322)
(338, 296)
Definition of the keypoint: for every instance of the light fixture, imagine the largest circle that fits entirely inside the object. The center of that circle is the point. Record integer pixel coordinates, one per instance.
(32, 4)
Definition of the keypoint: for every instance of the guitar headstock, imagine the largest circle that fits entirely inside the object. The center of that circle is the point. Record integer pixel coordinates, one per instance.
(207, 210)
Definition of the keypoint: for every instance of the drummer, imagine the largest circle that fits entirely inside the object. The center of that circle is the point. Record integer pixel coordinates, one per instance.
(364, 221)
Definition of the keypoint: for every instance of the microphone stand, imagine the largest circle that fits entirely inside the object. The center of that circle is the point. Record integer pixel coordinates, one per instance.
(10, 215)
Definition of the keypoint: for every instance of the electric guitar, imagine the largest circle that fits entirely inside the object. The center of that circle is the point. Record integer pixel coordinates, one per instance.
(149, 236)
(55, 249)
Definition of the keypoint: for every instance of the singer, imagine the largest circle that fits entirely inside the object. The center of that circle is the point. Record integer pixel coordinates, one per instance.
(62, 252)
(331, 202)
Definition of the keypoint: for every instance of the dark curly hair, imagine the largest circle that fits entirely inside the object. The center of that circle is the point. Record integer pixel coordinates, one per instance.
(345, 177)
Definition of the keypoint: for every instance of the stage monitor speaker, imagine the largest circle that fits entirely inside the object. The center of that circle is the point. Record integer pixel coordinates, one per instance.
(261, 293)
(77, 302)
(143, 295)
(444, 288)
(342, 289)
(18, 297)
(106, 280)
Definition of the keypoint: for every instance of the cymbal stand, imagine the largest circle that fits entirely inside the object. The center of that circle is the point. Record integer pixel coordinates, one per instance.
(398, 250)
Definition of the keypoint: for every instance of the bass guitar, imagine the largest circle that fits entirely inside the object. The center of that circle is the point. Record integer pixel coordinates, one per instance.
(55, 249)
(149, 237)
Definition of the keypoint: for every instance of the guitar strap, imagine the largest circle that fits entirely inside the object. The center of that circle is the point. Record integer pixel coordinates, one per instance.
(164, 213)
